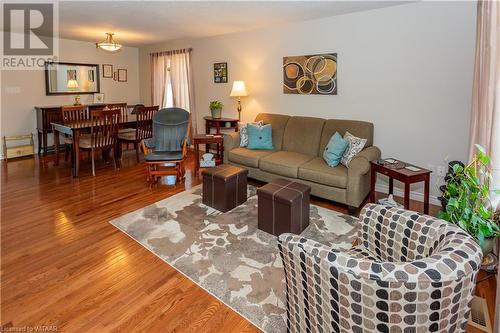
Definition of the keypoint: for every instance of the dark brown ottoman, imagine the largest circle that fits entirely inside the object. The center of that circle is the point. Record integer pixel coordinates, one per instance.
(283, 207)
(224, 187)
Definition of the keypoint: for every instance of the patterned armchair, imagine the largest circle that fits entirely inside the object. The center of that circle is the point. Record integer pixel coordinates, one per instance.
(409, 273)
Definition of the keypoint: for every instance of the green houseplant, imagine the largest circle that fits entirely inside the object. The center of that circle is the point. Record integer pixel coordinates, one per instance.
(216, 108)
(469, 205)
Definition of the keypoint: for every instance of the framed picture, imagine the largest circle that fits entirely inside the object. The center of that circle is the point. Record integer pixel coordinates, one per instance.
(98, 98)
(310, 74)
(70, 74)
(90, 75)
(220, 72)
(122, 75)
(107, 71)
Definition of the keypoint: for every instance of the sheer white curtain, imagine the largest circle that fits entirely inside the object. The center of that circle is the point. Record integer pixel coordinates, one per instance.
(172, 81)
(158, 78)
(182, 82)
(485, 120)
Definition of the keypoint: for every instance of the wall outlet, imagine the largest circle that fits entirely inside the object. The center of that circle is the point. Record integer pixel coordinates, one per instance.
(441, 170)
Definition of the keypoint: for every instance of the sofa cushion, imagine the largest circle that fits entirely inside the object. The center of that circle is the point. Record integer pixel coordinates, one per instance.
(247, 157)
(284, 163)
(318, 171)
(303, 134)
(278, 122)
(360, 129)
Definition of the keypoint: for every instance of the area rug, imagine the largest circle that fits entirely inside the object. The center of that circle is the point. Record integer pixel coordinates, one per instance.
(225, 253)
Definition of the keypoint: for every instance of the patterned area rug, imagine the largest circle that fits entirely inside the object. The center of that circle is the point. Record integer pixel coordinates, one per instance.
(225, 253)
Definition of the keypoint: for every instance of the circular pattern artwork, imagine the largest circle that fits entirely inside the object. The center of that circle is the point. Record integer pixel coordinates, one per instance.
(310, 74)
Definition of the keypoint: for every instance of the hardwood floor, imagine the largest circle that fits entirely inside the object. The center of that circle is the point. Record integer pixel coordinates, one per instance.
(64, 265)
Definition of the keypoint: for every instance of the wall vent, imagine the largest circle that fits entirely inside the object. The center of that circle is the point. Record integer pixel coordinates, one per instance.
(479, 316)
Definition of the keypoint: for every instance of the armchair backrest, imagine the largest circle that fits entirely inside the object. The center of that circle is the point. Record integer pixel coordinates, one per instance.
(421, 289)
(170, 129)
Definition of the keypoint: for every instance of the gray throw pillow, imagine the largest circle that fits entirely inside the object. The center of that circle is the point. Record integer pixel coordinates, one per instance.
(355, 145)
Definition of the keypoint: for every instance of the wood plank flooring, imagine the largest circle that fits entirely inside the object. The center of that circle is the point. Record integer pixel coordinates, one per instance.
(64, 265)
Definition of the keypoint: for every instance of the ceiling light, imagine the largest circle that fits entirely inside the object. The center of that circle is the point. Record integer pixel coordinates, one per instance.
(109, 44)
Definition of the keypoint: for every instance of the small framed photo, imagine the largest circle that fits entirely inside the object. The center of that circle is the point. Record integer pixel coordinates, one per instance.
(90, 75)
(122, 75)
(98, 98)
(107, 71)
(220, 72)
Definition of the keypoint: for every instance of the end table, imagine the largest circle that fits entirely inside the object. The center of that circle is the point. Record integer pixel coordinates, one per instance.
(399, 171)
(205, 139)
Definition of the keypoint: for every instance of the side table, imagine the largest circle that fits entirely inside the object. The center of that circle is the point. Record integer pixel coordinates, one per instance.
(205, 139)
(218, 124)
(404, 175)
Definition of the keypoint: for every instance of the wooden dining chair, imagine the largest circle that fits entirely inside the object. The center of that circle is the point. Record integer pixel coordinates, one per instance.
(123, 110)
(71, 114)
(103, 134)
(143, 130)
(136, 107)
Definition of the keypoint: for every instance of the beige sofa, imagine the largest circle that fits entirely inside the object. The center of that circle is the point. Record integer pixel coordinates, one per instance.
(299, 143)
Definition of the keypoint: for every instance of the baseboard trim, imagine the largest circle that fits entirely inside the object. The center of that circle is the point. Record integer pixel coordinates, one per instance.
(417, 196)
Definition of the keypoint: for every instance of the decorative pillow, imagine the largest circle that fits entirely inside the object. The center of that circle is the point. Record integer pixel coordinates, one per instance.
(335, 149)
(355, 146)
(260, 137)
(244, 132)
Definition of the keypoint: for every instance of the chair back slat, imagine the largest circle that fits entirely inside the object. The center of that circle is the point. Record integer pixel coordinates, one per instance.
(144, 122)
(74, 113)
(104, 128)
(123, 110)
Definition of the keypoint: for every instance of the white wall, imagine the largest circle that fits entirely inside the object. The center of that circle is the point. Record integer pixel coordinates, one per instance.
(407, 69)
(23, 90)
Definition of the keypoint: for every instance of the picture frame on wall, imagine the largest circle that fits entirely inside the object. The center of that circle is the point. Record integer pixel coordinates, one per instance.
(98, 98)
(122, 75)
(220, 72)
(107, 71)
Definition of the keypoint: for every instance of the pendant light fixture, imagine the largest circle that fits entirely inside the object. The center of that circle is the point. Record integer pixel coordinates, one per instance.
(109, 44)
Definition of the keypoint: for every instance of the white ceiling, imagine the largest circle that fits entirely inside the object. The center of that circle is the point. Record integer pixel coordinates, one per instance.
(138, 23)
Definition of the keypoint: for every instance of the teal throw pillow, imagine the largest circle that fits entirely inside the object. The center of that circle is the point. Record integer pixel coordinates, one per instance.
(335, 149)
(260, 137)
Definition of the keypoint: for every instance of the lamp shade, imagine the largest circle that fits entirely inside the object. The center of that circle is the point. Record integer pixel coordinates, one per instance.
(239, 89)
(72, 84)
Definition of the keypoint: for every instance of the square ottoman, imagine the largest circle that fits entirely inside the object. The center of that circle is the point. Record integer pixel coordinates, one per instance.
(224, 187)
(283, 206)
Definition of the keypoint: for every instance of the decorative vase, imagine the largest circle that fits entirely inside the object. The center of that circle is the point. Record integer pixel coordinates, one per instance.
(487, 245)
(216, 113)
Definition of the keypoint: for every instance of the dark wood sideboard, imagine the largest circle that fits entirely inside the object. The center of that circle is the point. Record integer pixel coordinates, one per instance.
(45, 115)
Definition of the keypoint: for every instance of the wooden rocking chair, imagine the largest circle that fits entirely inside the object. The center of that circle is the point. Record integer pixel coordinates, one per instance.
(166, 151)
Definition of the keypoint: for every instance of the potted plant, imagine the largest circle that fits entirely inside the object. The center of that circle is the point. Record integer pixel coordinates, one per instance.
(216, 108)
(468, 200)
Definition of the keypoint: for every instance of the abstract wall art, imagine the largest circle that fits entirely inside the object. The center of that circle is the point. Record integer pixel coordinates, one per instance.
(310, 74)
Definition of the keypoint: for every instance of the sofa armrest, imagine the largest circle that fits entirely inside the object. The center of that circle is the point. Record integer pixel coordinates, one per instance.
(358, 176)
(231, 141)
(360, 164)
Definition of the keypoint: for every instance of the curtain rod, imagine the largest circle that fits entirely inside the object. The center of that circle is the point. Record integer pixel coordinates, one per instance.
(172, 52)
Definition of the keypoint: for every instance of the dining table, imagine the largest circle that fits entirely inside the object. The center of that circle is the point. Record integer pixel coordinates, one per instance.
(75, 129)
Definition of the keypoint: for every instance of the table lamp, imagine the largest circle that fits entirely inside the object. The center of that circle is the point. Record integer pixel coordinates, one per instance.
(239, 90)
(73, 85)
